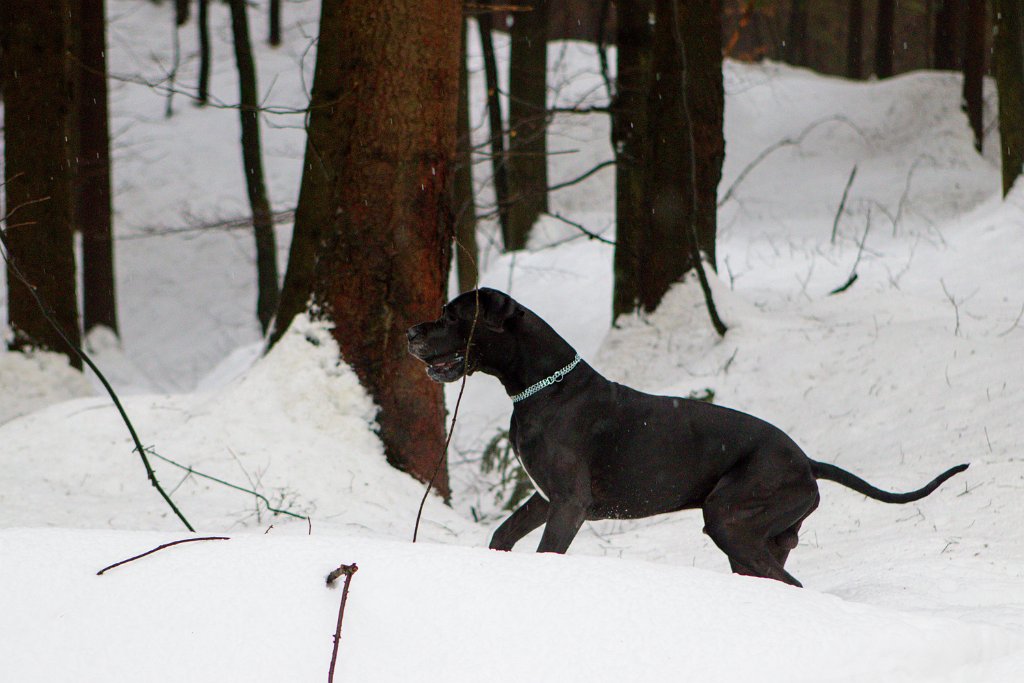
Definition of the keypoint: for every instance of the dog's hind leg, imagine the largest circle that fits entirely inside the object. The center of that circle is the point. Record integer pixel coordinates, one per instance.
(754, 516)
(525, 519)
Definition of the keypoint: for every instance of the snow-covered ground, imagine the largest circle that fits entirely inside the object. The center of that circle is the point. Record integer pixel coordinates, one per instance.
(914, 368)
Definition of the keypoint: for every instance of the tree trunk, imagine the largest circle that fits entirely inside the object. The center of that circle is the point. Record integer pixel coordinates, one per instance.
(1008, 64)
(527, 117)
(499, 161)
(884, 38)
(181, 12)
(683, 180)
(631, 145)
(35, 38)
(466, 250)
(945, 50)
(252, 158)
(974, 68)
(93, 205)
(796, 41)
(380, 160)
(275, 23)
(854, 39)
(203, 24)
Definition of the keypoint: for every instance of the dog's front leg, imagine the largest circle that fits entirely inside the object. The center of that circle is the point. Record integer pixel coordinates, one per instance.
(569, 504)
(525, 519)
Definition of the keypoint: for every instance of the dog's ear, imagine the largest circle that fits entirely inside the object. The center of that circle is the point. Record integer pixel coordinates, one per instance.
(497, 309)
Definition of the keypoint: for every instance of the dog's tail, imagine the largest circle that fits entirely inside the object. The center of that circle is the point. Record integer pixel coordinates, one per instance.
(823, 470)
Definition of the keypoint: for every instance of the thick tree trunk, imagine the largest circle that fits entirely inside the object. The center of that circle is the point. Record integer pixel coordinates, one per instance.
(945, 50)
(796, 40)
(683, 181)
(379, 161)
(884, 38)
(203, 25)
(499, 161)
(974, 68)
(99, 305)
(631, 144)
(854, 39)
(274, 38)
(527, 116)
(38, 78)
(1008, 64)
(466, 250)
(252, 159)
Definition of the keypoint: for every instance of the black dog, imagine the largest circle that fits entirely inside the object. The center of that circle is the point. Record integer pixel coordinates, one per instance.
(599, 450)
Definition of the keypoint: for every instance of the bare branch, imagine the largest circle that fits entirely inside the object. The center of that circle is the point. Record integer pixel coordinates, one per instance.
(161, 547)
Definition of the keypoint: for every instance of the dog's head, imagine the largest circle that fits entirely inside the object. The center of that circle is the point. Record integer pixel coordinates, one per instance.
(470, 325)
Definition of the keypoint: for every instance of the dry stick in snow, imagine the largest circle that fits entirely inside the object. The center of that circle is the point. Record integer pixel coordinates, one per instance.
(47, 313)
(347, 570)
(842, 202)
(853, 271)
(161, 547)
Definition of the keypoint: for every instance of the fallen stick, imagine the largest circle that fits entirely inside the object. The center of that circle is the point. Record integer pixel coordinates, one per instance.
(161, 547)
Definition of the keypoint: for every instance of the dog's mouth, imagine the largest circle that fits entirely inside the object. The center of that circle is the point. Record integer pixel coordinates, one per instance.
(447, 367)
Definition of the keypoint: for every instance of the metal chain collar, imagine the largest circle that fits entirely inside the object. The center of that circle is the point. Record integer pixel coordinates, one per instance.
(558, 376)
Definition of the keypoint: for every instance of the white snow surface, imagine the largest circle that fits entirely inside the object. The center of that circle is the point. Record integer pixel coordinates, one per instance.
(915, 368)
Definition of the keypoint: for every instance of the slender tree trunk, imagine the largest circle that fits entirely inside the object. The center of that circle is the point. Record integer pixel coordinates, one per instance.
(884, 38)
(181, 12)
(466, 251)
(1008, 64)
(381, 258)
(527, 116)
(203, 24)
(499, 161)
(275, 23)
(796, 41)
(252, 158)
(631, 143)
(683, 181)
(946, 47)
(93, 188)
(854, 39)
(38, 79)
(974, 68)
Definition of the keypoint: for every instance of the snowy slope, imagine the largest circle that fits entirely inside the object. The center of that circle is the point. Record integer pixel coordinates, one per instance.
(915, 368)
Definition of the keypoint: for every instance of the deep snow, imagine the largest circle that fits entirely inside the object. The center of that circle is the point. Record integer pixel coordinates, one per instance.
(913, 369)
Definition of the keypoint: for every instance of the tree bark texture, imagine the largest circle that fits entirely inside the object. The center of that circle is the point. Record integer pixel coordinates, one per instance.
(466, 250)
(884, 26)
(946, 44)
(93, 205)
(682, 183)
(1008, 64)
(39, 110)
(854, 40)
(974, 68)
(499, 160)
(632, 148)
(527, 116)
(252, 159)
(378, 166)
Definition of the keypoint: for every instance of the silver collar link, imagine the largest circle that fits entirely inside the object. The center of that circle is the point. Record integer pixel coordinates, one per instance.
(558, 376)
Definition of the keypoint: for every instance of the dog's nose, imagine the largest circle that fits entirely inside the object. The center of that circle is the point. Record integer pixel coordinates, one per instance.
(413, 332)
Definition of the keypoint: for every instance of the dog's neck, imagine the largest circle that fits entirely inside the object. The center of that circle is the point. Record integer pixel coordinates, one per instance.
(538, 353)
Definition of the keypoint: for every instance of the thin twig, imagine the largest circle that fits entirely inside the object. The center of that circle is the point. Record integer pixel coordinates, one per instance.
(853, 271)
(347, 570)
(585, 231)
(581, 178)
(842, 202)
(161, 547)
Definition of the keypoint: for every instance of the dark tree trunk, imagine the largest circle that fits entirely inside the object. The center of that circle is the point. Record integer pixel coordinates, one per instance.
(796, 40)
(1008, 64)
(945, 50)
(884, 38)
(466, 251)
(632, 148)
(38, 78)
(203, 24)
(854, 40)
(683, 179)
(381, 254)
(93, 205)
(181, 12)
(974, 68)
(252, 159)
(527, 117)
(499, 162)
(275, 23)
